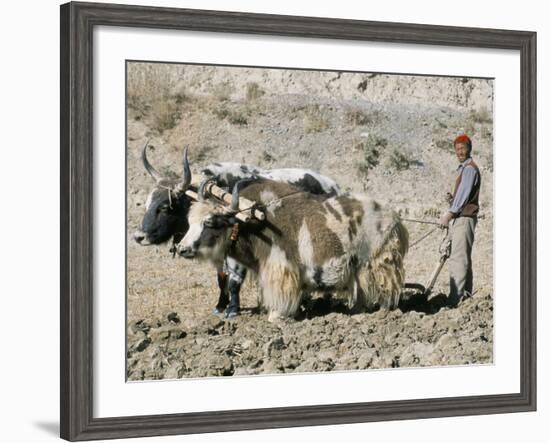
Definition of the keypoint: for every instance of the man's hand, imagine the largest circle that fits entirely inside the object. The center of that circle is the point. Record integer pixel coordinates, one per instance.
(445, 219)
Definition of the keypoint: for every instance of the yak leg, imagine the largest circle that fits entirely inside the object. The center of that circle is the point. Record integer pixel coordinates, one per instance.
(223, 299)
(367, 294)
(237, 274)
(281, 290)
(356, 297)
(381, 280)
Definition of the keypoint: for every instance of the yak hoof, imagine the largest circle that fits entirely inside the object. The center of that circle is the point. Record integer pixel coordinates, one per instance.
(229, 314)
(216, 311)
(274, 317)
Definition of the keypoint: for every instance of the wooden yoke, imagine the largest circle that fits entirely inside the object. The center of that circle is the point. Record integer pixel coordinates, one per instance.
(246, 211)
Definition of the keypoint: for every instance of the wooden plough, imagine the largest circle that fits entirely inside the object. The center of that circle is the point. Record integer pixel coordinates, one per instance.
(444, 254)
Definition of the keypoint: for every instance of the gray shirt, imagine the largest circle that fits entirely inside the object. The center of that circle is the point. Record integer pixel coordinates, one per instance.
(470, 178)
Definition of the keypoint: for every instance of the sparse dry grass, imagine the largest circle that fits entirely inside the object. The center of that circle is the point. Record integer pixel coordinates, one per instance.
(222, 91)
(165, 114)
(154, 93)
(469, 128)
(481, 116)
(267, 157)
(443, 143)
(399, 161)
(486, 133)
(147, 82)
(253, 91)
(357, 117)
(489, 162)
(315, 119)
(235, 116)
(202, 153)
(372, 149)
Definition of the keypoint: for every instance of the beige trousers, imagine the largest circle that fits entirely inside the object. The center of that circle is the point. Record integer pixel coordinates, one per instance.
(460, 262)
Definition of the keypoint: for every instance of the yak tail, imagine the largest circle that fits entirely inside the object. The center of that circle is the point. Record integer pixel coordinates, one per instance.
(381, 279)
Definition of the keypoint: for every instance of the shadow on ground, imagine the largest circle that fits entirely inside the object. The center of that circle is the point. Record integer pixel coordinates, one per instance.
(412, 299)
(419, 302)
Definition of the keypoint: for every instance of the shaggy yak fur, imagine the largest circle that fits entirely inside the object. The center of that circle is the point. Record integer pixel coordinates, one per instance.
(166, 212)
(346, 243)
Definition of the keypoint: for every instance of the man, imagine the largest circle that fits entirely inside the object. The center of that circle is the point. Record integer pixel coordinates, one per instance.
(463, 212)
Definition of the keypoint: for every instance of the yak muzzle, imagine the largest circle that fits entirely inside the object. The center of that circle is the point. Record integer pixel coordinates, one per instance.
(141, 238)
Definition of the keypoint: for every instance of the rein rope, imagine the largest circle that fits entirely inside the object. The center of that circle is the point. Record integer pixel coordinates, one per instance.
(423, 237)
(235, 228)
(234, 232)
(169, 194)
(412, 220)
(437, 227)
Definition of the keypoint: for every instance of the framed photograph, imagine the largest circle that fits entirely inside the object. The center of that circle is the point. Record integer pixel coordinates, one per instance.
(274, 221)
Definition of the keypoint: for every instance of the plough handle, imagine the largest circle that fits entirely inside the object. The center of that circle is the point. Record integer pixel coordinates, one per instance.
(435, 274)
(445, 251)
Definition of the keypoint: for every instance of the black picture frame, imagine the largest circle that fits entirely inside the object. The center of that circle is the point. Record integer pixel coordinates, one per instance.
(77, 23)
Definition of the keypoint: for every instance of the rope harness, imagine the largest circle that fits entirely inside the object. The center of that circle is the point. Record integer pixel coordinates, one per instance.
(170, 190)
(425, 236)
(234, 232)
(235, 228)
(420, 221)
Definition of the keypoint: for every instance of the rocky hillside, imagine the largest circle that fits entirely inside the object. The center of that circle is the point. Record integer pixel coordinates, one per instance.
(384, 135)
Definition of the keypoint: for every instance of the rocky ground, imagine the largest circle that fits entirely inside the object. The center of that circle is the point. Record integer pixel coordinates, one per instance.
(388, 136)
(325, 338)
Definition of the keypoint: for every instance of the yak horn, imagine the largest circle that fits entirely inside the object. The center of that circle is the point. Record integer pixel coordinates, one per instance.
(148, 166)
(235, 195)
(202, 188)
(187, 176)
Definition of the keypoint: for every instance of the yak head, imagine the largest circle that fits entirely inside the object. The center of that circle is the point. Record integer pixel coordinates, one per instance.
(167, 206)
(211, 227)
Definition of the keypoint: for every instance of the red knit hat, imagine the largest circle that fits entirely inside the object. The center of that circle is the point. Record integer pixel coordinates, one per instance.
(463, 138)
